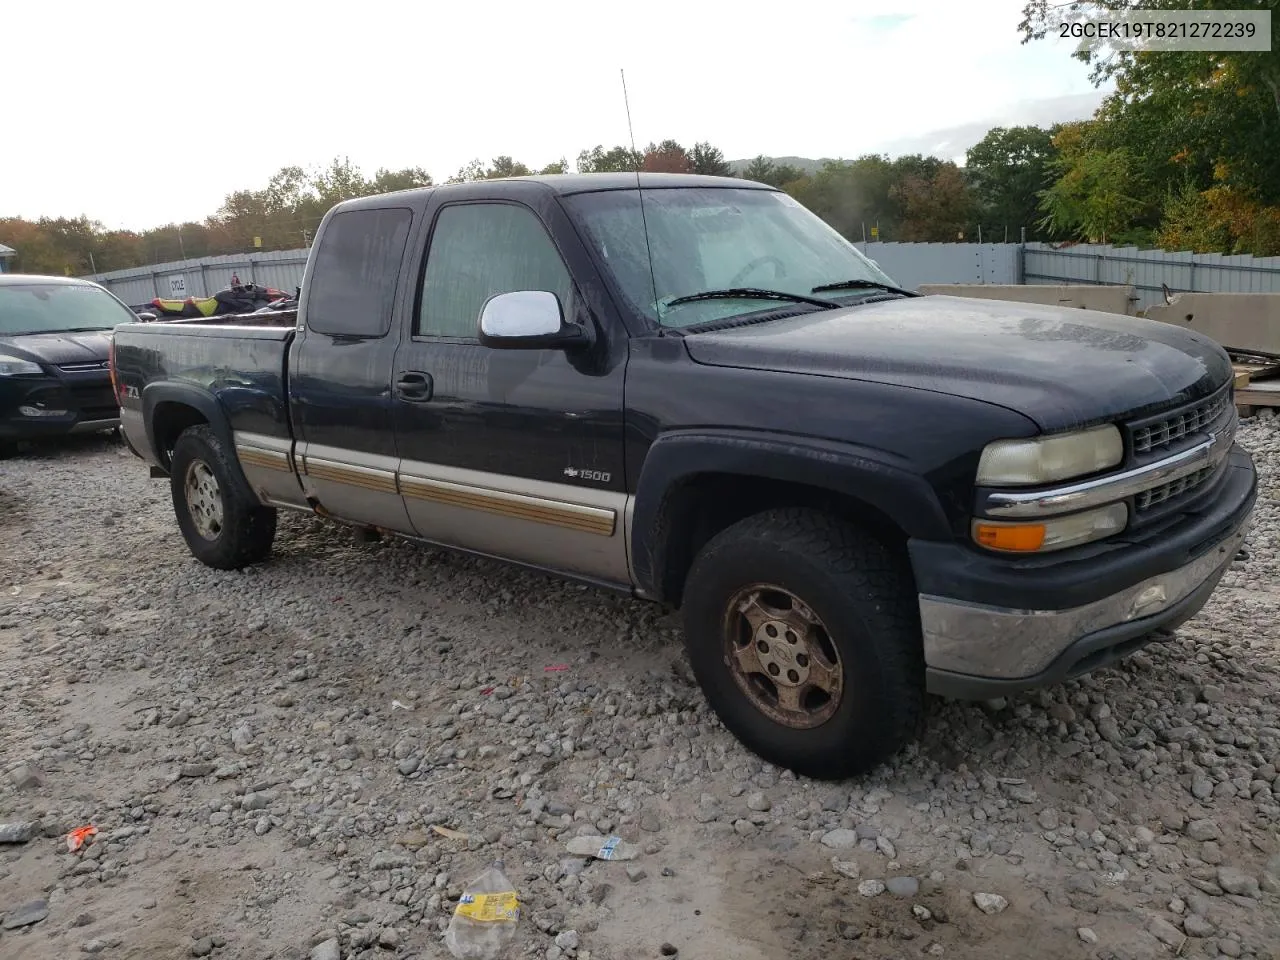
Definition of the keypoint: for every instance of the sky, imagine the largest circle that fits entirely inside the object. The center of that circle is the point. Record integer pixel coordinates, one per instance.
(138, 113)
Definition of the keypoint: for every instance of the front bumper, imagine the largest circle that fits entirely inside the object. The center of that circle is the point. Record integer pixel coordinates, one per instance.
(1063, 619)
(87, 404)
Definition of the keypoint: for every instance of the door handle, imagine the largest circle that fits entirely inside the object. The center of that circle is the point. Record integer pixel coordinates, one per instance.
(414, 386)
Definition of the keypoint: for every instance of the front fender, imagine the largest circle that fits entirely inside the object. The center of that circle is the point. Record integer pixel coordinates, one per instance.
(874, 477)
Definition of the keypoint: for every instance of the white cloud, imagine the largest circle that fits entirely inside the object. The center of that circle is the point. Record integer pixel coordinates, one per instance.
(140, 112)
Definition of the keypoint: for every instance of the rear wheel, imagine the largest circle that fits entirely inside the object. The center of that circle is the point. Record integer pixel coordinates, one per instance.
(804, 634)
(222, 521)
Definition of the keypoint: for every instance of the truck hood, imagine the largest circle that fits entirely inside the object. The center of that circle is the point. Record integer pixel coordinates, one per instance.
(1061, 367)
(58, 348)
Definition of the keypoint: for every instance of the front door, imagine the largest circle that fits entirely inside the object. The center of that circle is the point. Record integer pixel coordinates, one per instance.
(340, 373)
(508, 452)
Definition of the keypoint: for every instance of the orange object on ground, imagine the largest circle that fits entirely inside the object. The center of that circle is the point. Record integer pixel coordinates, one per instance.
(77, 837)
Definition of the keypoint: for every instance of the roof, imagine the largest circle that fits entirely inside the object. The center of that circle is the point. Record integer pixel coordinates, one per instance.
(13, 279)
(565, 184)
(7, 251)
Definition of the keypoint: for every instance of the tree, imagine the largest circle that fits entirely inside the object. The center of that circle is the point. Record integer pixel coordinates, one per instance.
(388, 181)
(1009, 168)
(708, 160)
(760, 169)
(617, 160)
(504, 166)
(1098, 193)
(666, 157)
(934, 205)
(559, 166)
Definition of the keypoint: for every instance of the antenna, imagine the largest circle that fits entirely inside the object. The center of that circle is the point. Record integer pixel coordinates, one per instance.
(644, 223)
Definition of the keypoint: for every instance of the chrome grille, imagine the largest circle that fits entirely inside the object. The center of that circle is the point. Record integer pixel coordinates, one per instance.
(1167, 491)
(1179, 424)
(84, 366)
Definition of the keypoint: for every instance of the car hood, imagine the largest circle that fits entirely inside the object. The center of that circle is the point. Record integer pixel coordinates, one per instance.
(58, 348)
(1061, 367)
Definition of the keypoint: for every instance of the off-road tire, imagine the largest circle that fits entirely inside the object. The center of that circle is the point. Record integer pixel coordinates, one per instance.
(864, 594)
(247, 529)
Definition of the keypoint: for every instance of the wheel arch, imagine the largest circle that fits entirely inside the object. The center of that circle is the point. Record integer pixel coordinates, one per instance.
(170, 408)
(695, 484)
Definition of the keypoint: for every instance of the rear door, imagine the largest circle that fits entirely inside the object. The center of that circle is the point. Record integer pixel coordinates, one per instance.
(340, 376)
(516, 453)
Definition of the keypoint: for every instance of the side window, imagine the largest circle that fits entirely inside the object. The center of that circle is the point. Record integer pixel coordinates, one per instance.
(354, 282)
(479, 250)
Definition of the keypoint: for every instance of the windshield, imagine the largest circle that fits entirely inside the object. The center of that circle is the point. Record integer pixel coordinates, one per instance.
(58, 308)
(710, 238)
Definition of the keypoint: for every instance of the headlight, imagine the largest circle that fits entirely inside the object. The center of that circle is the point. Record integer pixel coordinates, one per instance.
(13, 367)
(1021, 463)
(1056, 534)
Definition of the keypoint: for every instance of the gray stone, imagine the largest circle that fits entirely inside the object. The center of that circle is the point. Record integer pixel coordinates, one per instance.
(1197, 926)
(846, 868)
(649, 822)
(1201, 830)
(1049, 819)
(327, 950)
(903, 886)
(389, 938)
(1202, 788)
(26, 915)
(759, 802)
(567, 940)
(744, 828)
(1086, 935)
(408, 765)
(635, 874)
(26, 777)
(871, 888)
(93, 946)
(196, 770)
(1236, 881)
(1166, 933)
(841, 839)
(218, 818)
(202, 947)
(885, 846)
(19, 832)
(990, 903)
(1229, 947)
(1211, 694)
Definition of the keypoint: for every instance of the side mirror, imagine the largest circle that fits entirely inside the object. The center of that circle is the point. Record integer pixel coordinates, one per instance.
(527, 320)
(146, 317)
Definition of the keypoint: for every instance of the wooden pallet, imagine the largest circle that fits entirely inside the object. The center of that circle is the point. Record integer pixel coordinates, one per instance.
(1257, 382)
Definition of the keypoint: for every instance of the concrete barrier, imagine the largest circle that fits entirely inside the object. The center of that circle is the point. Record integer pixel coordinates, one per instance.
(1245, 321)
(1111, 299)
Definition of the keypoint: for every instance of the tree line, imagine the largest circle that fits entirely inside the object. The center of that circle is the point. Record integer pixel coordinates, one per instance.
(1184, 155)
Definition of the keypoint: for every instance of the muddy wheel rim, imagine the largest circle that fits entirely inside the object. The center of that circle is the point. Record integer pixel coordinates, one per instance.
(782, 657)
(204, 499)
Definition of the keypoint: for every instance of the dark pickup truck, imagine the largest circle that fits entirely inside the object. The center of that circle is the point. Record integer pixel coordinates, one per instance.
(692, 390)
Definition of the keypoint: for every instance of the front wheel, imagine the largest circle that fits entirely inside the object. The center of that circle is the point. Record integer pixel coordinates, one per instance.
(222, 521)
(803, 633)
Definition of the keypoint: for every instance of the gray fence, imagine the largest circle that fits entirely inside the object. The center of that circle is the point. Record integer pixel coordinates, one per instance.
(205, 276)
(910, 264)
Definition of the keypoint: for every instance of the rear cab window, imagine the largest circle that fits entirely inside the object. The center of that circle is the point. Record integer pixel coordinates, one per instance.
(357, 268)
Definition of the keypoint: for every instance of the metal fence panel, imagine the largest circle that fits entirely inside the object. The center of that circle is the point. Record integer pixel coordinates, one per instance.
(912, 264)
(205, 276)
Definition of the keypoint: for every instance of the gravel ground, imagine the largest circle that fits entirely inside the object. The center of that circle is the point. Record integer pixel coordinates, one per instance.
(265, 755)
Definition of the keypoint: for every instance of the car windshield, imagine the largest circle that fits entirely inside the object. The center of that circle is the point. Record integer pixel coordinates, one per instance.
(58, 308)
(718, 239)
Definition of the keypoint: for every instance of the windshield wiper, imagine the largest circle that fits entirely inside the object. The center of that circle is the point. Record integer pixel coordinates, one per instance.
(751, 293)
(83, 330)
(861, 285)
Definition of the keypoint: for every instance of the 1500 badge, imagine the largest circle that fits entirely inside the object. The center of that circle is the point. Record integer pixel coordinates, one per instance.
(599, 476)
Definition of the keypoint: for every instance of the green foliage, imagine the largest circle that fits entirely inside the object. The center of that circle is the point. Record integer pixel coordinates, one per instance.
(1008, 169)
(708, 160)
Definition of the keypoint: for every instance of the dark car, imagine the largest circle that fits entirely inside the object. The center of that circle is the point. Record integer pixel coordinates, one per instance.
(55, 334)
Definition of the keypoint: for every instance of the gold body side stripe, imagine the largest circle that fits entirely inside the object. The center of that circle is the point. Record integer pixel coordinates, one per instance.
(267, 459)
(379, 481)
(571, 516)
